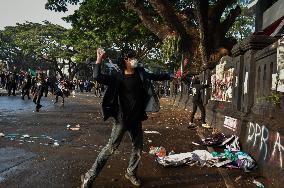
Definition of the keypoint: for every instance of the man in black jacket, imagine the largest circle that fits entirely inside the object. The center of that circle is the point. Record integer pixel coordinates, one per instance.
(197, 102)
(128, 96)
(27, 86)
(38, 91)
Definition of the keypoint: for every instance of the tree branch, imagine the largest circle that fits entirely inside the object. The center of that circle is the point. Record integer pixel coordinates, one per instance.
(230, 20)
(167, 12)
(216, 11)
(158, 29)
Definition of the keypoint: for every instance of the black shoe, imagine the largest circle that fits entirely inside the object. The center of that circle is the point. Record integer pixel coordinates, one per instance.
(133, 179)
(37, 109)
(86, 183)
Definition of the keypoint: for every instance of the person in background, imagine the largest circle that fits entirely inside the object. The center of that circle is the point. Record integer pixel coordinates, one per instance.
(39, 90)
(197, 87)
(12, 84)
(27, 86)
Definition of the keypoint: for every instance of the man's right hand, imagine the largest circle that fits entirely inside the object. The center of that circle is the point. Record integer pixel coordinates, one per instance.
(100, 55)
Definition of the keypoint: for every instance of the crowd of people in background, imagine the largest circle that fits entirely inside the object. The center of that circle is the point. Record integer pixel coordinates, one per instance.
(34, 87)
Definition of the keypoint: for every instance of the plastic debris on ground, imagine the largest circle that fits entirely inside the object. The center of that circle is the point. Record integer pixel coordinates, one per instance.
(197, 157)
(2, 134)
(151, 132)
(258, 184)
(56, 144)
(232, 157)
(74, 128)
(158, 151)
(25, 138)
(194, 143)
(218, 139)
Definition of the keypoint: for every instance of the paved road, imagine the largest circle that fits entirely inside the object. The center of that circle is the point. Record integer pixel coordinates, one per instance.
(40, 152)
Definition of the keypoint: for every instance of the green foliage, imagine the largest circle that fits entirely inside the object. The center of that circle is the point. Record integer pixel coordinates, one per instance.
(244, 24)
(60, 5)
(35, 45)
(274, 98)
(109, 24)
(170, 47)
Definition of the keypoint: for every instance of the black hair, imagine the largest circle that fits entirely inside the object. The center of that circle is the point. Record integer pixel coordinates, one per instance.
(124, 54)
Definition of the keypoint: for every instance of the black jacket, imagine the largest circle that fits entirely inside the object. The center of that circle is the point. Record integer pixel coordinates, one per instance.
(196, 92)
(110, 103)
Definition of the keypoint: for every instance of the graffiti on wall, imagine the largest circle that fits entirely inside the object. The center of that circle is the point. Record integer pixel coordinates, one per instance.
(280, 64)
(246, 83)
(222, 82)
(258, 136)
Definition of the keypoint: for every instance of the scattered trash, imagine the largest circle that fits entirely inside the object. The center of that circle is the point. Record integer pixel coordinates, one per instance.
(158, 151)
(219, 139)
(172, 152)
(76, 128)
(150, 141)
(25, 136)
(151, 132)
(238, 159)
(2, 134)
(230, 158)
(258, 184)
(194, 143)
(197, 157)
(238, 178)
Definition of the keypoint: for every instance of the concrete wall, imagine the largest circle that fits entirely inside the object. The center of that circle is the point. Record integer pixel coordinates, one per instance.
(258, 123)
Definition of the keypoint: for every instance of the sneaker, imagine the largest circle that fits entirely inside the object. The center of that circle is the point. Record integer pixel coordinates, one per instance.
(205, 125)
(86, 183)
(133, 179)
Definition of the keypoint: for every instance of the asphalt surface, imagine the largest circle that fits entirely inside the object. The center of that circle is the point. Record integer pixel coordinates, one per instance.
(40, 151)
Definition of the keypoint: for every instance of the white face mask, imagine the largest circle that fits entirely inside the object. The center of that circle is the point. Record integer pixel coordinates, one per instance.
(134, 63)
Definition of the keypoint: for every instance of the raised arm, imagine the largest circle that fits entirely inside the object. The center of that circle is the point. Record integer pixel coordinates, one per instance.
(98, 76)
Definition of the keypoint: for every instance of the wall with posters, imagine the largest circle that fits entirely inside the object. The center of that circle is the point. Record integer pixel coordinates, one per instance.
(280, 64)
(222, 81)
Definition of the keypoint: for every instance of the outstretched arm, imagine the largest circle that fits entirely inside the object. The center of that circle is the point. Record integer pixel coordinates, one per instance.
(158, 77)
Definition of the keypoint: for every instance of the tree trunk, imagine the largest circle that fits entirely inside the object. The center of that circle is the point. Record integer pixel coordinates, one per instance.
(202, 16)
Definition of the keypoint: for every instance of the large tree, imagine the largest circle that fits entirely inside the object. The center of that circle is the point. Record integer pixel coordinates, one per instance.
(36, 45)
(195, 28)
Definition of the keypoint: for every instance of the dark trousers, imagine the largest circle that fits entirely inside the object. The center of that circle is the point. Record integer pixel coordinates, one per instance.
(118, 131)
(12, 89)
(201, 108)
(26, 91)
(36, 100)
